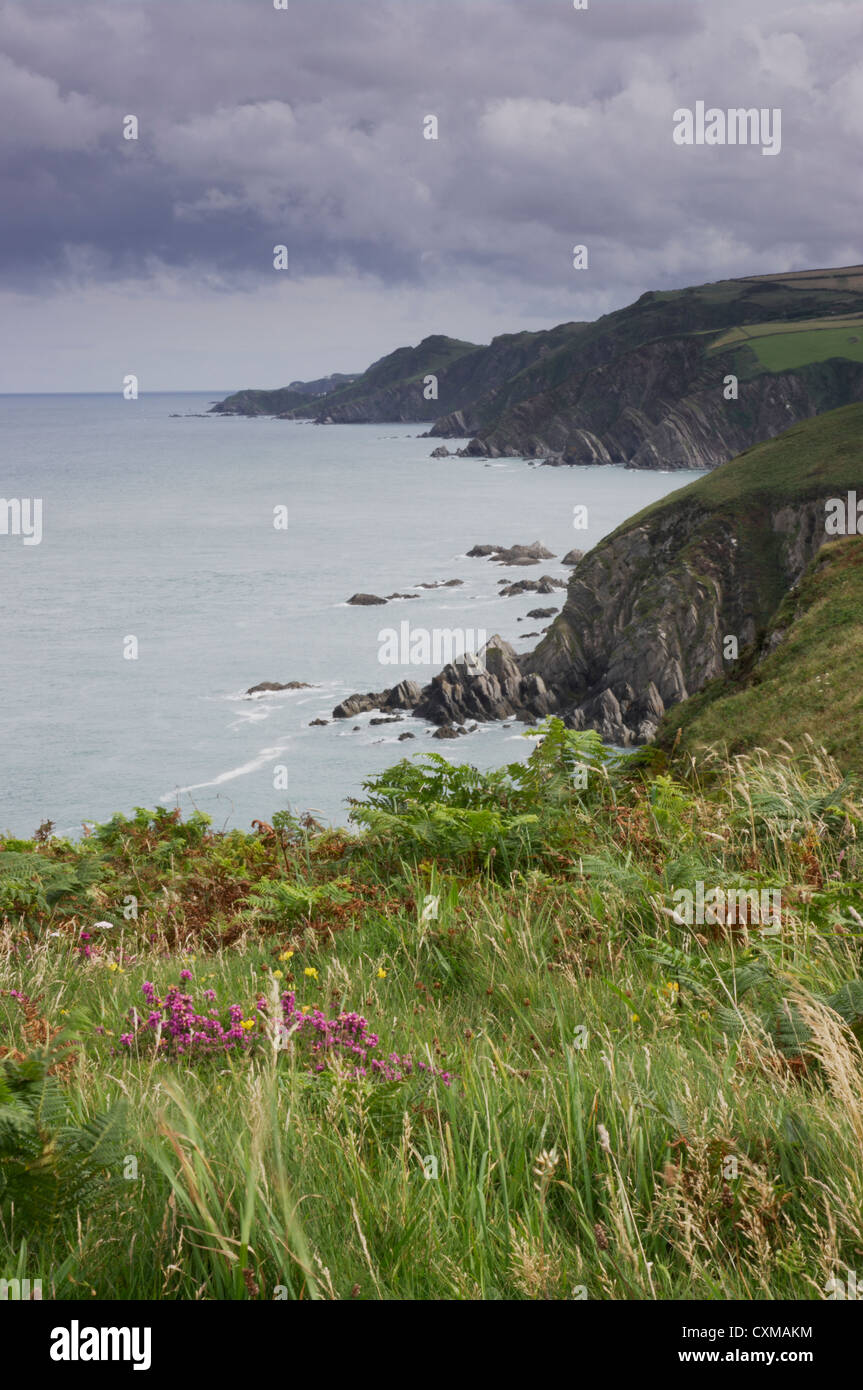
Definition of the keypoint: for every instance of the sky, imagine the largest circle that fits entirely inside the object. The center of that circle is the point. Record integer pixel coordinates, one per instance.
(304, 127)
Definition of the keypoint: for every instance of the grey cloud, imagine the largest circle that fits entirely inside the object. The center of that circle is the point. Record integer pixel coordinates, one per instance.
(260, 127)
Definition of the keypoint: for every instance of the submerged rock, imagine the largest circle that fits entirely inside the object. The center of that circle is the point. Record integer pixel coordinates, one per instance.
(276, 685)
(513, 554)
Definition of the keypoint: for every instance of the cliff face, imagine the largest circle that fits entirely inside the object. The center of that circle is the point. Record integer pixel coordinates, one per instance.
(647, 615)
(663, 406)
(643, 386)
(649, 611)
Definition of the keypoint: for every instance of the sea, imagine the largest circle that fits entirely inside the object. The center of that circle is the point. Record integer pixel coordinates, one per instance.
(185, 557)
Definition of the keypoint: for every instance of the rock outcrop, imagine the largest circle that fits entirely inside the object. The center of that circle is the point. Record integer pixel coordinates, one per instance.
(497, 689)
(403, 696)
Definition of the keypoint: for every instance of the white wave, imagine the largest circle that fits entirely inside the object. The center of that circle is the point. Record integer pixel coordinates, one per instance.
(253, 765)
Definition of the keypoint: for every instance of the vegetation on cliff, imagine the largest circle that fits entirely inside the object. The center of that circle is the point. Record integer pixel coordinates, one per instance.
(802, 682)
(650, 610)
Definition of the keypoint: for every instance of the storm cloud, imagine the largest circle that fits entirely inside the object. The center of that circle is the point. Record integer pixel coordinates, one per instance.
(304, 127)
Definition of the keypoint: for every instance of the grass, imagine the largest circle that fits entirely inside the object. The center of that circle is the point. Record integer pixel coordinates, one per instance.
(627, 1118)
(850, 324)
(818, 458)
(783, 352)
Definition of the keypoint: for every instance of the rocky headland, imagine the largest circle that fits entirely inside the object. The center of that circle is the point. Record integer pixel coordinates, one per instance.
(650, 609)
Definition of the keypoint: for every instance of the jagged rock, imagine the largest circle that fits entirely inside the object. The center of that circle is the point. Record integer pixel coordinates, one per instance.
(405, 695)
(402, 737)
(492, 688)
(393, 719)
(445, 731)
(542, 613)
(389, 596)
(441, 453)
(572, 557)
(276, 685)
(359, 704)
(365, 600)
(318, 723)
(443, 584)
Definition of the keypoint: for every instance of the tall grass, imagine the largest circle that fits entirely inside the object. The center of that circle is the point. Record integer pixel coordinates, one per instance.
(629, 1116)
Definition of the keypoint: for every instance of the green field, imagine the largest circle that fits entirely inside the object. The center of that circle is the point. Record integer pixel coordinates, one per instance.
(781, 348)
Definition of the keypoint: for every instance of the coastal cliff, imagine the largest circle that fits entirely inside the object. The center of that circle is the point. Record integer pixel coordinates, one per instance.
(669, 601)
(681, 379)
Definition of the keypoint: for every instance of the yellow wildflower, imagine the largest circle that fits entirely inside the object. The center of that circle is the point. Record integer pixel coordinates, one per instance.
(247, 1023)
(382, 974)
(311, 972)
(285, 955)
(277, 974)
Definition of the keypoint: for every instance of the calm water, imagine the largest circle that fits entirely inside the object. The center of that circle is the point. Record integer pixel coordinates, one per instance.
(161, 528)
